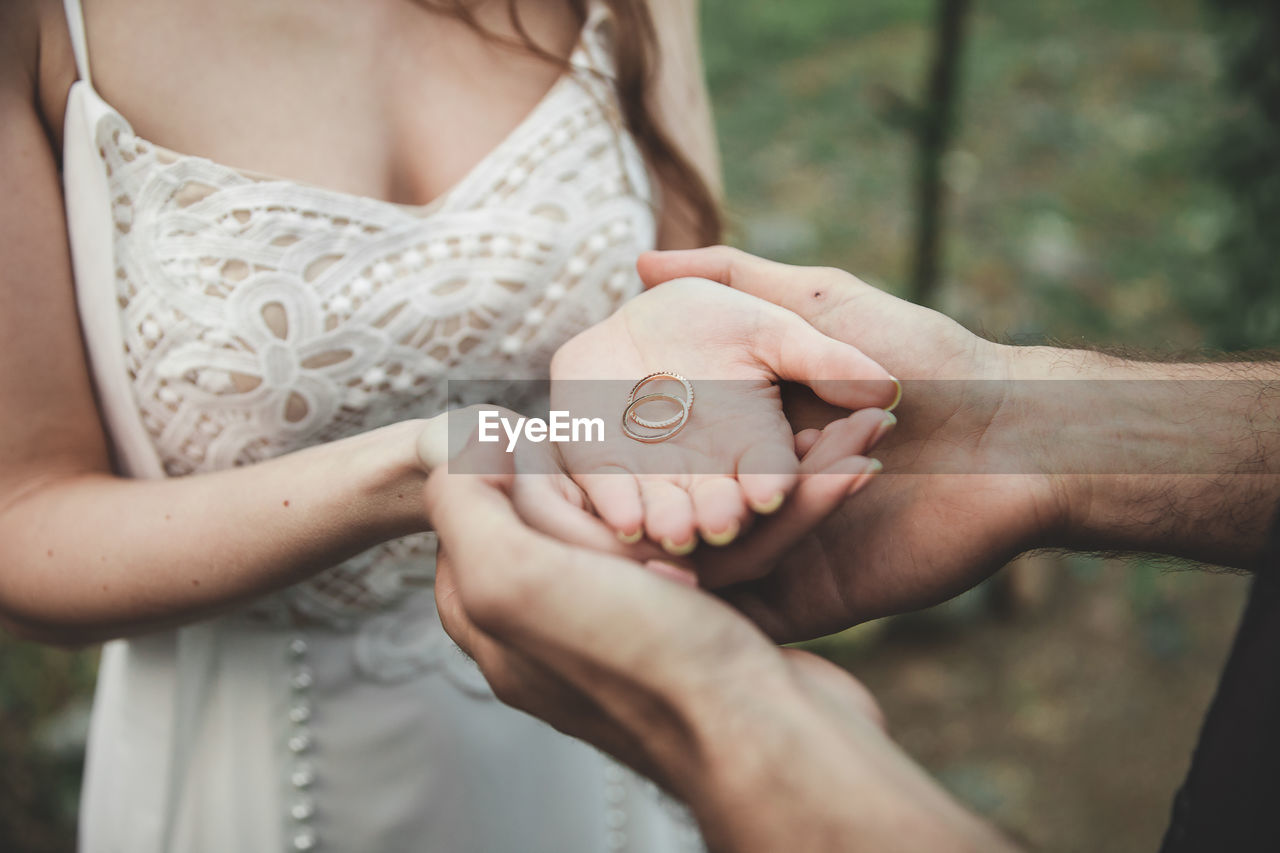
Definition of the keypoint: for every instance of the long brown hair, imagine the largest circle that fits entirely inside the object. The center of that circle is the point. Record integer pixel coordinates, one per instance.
(635, 56)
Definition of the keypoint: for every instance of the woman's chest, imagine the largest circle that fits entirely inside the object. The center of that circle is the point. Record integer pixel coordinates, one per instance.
(386, 99)
(261, 316)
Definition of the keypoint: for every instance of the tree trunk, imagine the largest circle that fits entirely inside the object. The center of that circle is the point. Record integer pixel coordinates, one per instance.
(934, 133)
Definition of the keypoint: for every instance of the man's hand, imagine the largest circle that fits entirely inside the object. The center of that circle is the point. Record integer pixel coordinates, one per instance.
(772, 749)
(911, 540)
(994, 456)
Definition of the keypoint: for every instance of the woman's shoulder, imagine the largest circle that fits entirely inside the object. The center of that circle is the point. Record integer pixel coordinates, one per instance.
(37, 65)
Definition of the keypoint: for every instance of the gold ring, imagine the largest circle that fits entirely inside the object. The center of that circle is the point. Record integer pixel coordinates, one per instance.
(628, 414)
(648, 423)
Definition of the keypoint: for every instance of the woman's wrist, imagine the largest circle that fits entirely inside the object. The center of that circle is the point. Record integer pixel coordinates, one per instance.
(395, 473)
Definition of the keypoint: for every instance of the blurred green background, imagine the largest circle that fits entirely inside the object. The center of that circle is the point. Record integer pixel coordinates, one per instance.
(1112, 176)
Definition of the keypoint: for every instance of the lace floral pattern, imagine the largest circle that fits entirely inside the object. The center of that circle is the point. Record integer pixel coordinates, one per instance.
(261, 316)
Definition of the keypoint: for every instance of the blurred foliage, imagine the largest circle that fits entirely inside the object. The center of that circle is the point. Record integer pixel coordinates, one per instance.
(44, 696)
(1245, 156)
(1080, 206)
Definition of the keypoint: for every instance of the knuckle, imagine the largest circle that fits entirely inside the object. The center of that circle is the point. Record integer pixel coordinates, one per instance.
(502, 596)
(488, 601)
(507, 687)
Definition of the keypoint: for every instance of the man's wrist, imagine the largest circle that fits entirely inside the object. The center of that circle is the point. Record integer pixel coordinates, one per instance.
(820, 774)
(1176, 458)
(751, 799)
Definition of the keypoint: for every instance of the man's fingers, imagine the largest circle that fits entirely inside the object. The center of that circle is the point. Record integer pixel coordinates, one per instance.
(807, 291)
(670, 571)
(519, 680)
(778, 283)
(489, 483)
(453, 615)
(851, 436)
(540, 500)
(837, 372)
(564, 606)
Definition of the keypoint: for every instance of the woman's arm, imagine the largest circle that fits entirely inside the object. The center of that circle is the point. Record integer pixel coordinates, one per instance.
(683, 110)
(85, 555)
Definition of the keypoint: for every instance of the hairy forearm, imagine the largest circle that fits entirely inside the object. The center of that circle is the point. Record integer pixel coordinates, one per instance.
(1182, 459)
(87, 557)
(820, 775)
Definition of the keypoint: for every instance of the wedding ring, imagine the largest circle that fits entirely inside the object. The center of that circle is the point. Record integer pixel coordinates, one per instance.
(671, 425)
(628, 415)
(686, 404)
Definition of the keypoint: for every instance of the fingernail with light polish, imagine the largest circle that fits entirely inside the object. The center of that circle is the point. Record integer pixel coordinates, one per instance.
(770, 506)
(630, 538)
(897, 397)
(679, 550)
(724, 537)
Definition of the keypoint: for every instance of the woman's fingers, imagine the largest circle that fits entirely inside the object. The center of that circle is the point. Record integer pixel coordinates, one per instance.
(720, 508)
(614, 493)
(831, 471)
(805, 440)
(668, 515)
(815, 498)
(767, 474)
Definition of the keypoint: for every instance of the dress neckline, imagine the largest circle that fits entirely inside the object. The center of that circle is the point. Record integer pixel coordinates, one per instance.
(580, 58)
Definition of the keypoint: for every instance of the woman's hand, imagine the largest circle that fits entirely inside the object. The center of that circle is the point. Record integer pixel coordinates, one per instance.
(833, 466)
(737, 451)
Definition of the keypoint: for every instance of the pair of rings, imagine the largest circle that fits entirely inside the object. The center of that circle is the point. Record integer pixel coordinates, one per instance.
(659, 429)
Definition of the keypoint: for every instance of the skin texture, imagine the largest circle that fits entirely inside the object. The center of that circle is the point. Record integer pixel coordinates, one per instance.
(253, 85)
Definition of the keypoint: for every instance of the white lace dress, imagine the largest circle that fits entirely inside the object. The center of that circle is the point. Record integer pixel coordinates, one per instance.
(232, 317)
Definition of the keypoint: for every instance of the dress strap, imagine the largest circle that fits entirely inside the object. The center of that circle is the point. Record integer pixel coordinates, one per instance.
(75, 25)
(595, 46)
